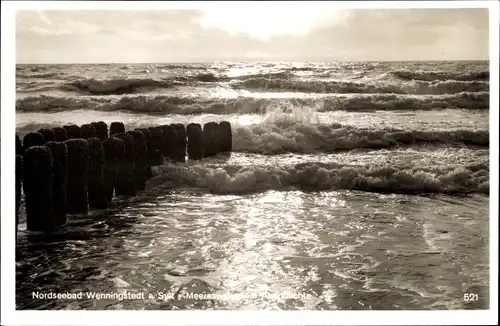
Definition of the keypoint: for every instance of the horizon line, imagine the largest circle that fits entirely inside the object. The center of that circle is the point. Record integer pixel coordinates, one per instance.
(245, 61)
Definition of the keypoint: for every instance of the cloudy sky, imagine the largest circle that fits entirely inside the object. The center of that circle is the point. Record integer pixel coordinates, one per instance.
(251, 33)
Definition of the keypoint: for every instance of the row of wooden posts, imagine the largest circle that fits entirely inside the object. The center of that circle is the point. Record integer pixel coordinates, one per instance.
(67, 170)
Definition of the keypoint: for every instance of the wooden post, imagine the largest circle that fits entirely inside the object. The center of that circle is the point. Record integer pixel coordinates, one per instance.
(19, 146)
(33, 139)
(194, 141)
(116, 128)
(210, 139)
(158, 145)
(150, 151)
(225, 136)
(125, 185)
(59, 189)
(179, 149)
(114, 151)
(87, 131)
(60, 134)
(169, 136)
(140, 158)
(101, 130)
(38, 176)
(19, 178)
(78, 163)
(95, 182)
(72, 131)
(48, 134)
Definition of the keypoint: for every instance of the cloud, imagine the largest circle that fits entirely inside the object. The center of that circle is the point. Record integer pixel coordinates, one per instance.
(52, 23)
(295, 32)
(261, 23)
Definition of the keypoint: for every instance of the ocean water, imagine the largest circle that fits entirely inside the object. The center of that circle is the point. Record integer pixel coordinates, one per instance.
(360, 185)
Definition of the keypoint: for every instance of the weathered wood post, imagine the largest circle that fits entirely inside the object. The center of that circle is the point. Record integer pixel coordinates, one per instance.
(210, 139)
(19, 178)
(125, 185)
(72, 131)
(60, 134)
(158, 145)
(101, 130)
(19, 146)
(225, 136)
(38, 176)
(48, 134)
(114, 151)
(169, 137)
(87, 131)
(59, 189)
(116, 128)
(33, 139)
(95, 182)
(194, 141)
(150, 151)
(179, 149)
(78, 163)
(140, 158)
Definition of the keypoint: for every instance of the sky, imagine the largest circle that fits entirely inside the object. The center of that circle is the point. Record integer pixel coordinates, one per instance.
(253, 33)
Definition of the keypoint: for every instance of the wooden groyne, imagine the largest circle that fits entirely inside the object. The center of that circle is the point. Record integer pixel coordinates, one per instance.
(71, 169)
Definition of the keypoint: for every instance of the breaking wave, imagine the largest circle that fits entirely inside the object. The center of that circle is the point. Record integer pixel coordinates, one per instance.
(235, 179)
(271, 82)
(118, 86)
(343, 87)
(163, 104)
(113, 86)
(287, 135)
(277, 75)
(190, 66)
(284, 79)
(300, 137)
(121, 86)
(44, 75)
(441, 75)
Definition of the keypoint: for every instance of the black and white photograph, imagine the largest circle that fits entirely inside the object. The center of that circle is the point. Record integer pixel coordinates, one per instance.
(250, 156)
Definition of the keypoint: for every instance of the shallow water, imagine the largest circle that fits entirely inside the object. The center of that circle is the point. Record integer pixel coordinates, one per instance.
(375, 197)
(347, 250)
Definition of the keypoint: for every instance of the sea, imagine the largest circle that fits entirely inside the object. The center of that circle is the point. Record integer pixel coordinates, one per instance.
(351, 186)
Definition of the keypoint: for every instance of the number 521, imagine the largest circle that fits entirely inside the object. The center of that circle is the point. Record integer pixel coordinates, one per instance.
(471, 297)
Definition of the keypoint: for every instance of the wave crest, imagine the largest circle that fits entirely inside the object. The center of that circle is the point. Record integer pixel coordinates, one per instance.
(320, 177)
(113, 86)
(441, 75)
(280, 134)
(198, 105)
(301, 137)
(120, 86)
(345, 87)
